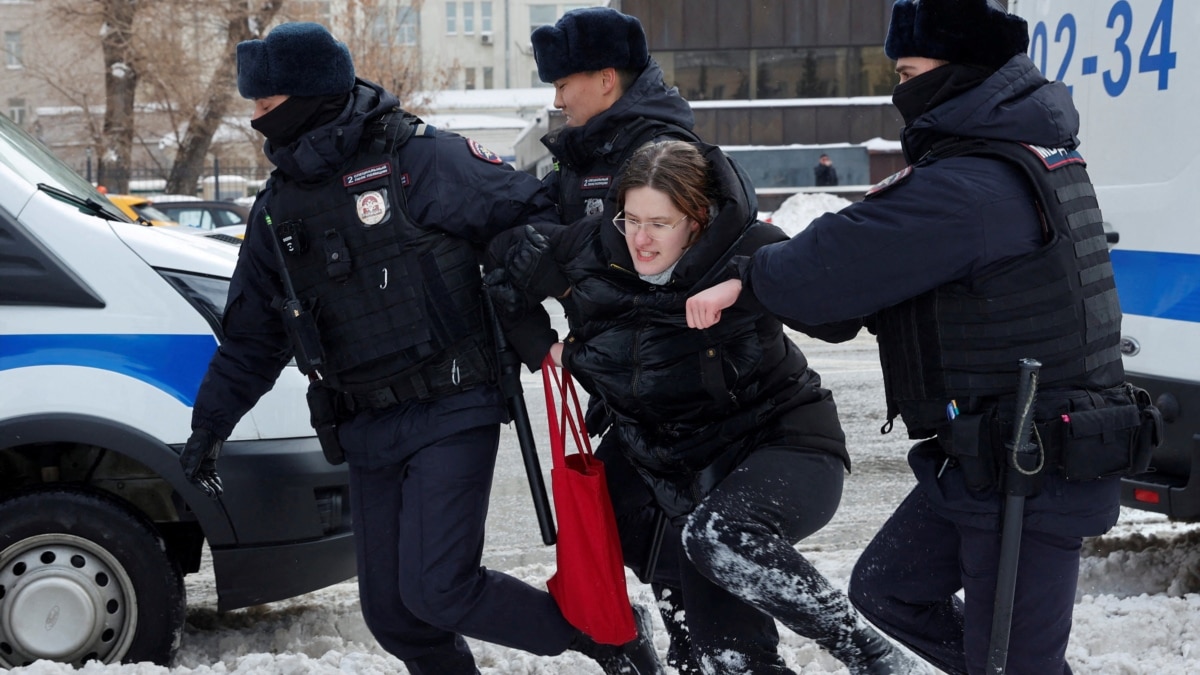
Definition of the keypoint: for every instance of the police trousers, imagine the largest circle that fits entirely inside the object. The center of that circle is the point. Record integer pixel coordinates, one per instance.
(419, 532)
(907, 579)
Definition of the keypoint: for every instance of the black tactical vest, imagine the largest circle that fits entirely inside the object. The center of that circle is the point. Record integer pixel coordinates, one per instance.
(962, 341)
(398, 307)
(582, 189)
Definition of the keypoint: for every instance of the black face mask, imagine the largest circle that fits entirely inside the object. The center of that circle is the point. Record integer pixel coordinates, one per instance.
(290, 119)
(933, 88)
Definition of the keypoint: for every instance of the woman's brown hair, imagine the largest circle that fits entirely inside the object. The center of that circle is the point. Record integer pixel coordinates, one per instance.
(678, 170)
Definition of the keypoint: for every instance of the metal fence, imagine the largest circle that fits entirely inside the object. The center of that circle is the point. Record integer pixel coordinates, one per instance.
(218, 182)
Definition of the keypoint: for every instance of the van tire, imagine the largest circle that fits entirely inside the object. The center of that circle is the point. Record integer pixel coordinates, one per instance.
(84, 577)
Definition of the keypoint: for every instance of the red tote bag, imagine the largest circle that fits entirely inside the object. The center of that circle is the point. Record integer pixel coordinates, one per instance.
(589, 584)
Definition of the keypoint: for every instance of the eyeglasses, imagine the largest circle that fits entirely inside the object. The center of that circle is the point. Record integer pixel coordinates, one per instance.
(652, 229)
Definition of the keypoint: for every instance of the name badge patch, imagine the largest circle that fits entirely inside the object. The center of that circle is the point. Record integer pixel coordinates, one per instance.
(595, 182)
(372, 207)
(367, 174)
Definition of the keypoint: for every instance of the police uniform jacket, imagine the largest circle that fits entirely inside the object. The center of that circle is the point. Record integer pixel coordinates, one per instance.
(952, 221)
(688, 405)
(453, 186)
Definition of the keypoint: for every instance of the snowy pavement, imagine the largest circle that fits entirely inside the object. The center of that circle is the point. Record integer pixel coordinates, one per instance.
(1138, 608)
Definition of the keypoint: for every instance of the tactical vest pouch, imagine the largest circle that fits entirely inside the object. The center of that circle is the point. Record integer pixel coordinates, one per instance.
(337, 256)
(323, 415)
(1111, 441)
(972, 440)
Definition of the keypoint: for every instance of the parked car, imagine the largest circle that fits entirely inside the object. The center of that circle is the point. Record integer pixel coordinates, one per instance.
(107, 330)
(140, 210)
(203, 214)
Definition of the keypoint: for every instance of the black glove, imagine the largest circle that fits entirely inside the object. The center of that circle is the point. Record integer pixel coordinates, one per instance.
(509, 301)
(532, 267)
(199, 461)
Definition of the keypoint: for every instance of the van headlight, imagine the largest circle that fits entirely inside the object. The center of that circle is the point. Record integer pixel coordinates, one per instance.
(206, 293)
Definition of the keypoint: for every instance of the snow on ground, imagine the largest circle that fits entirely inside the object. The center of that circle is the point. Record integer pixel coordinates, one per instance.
(797, 211)
(1138, 612)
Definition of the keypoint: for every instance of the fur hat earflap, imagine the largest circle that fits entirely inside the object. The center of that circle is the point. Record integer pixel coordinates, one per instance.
(588, 39)
(977, 32)
(297, 59)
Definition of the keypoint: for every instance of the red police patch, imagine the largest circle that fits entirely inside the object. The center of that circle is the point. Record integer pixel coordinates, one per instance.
(483, 153)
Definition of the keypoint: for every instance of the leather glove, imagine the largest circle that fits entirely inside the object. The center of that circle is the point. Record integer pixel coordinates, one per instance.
(199, 461)
(532, 267)
(508, 300)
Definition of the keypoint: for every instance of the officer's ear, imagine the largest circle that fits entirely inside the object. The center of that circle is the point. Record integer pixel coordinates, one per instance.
(610, 81)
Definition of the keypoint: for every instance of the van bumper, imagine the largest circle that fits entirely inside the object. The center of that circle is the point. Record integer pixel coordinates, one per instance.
(1172, 486)
(290, 514)
(255, 575)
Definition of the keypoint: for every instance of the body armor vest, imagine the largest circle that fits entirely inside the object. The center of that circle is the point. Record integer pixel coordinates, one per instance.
(962, 341)
(582, 190)
(398, 307)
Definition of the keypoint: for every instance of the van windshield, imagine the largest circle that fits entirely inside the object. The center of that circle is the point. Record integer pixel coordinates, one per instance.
(28, 158)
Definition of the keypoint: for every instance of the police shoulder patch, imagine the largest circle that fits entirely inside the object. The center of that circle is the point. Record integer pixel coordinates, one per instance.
(483, 153)
(1055, 158)
(890, 182)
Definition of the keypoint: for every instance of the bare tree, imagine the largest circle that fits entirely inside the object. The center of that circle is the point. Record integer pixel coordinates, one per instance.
(170, 71)
(241, 23)
(120, 89)
(383, 37)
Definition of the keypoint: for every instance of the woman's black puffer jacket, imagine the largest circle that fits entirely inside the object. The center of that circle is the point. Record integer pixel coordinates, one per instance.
(689, 405)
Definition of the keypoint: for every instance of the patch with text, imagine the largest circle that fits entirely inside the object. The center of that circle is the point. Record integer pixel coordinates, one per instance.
(367, 174)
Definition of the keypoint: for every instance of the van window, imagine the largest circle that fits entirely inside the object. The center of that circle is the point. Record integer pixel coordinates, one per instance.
(30, 159)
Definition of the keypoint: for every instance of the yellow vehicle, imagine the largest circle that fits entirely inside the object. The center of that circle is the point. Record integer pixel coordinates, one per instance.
(140, 210)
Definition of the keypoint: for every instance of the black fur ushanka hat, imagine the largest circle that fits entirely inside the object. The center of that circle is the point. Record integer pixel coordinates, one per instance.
(297, 59)
(588, 39)
(975, 32)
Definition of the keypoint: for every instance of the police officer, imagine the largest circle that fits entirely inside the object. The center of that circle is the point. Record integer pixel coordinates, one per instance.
(371, 225)
(987, 249)
(614, 99)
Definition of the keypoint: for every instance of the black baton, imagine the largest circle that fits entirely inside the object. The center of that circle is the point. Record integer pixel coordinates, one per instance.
(1022, 463)
(510, 387)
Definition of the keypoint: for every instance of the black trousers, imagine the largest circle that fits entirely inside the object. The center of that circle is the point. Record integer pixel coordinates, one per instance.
(737, 550)
(419, 531)
(741, 539)
(907, 579)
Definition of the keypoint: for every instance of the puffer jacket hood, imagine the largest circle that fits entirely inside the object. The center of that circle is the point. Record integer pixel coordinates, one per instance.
(1016, 103)
(689, 404)
(320, 152)
(649, 97)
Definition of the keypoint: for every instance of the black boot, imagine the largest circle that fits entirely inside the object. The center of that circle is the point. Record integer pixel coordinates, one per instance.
(670, 607)
(636, 657)
(869, 653)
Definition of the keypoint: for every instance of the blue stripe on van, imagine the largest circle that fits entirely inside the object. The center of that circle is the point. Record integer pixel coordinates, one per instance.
(173, 363)
(1157, 284)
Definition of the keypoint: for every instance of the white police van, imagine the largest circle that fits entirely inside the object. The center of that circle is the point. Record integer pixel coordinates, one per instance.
(1134, 70)
(106, 329)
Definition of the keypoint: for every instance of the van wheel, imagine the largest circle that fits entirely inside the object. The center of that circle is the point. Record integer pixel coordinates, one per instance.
(83, 577)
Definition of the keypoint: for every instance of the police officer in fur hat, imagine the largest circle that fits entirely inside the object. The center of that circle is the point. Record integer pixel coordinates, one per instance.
(614, 100)
(987, 249)
(375, 220)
